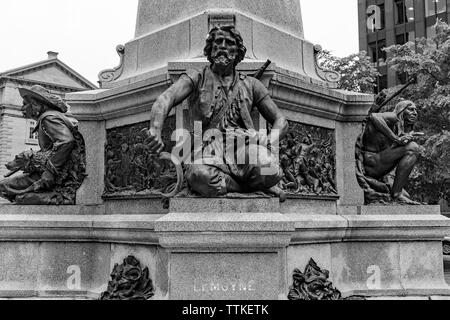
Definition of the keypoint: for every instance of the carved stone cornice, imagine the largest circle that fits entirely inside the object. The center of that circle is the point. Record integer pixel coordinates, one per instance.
(288, 90)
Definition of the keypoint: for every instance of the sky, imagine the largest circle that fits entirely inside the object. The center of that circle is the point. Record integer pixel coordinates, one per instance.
(86, 32)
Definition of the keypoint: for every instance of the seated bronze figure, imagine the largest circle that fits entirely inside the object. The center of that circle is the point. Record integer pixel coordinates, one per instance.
(52, 175)
(387, 144)
(221, 99)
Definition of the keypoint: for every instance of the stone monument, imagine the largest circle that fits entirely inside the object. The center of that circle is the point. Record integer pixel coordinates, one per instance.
(230, 247)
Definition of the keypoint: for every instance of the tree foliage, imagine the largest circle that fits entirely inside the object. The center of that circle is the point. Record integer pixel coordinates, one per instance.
(429, 60)
(357, 71)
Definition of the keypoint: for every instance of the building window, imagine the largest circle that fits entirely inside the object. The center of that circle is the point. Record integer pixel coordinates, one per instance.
(434, 7)
(31, 138)
(402, 78)
(431, 31)
(403, 38)
(400, 39)
(382, 83)
(404, 11)
(376, 51)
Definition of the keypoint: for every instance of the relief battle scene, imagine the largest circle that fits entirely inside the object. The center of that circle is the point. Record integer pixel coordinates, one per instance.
(130, 169)
(307, 156)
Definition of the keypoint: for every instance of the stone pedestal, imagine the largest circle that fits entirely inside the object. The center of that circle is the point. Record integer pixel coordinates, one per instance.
(223, 254)
(240, 248)
(233, 249)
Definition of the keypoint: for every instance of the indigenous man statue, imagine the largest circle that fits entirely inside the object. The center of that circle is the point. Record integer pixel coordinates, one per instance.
(52, 175)
(387, 144)
(221, 99)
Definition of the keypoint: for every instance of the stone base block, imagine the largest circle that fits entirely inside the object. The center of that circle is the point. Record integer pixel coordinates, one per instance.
(223, 255)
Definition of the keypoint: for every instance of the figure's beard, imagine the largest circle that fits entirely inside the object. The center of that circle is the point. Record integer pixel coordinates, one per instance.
(223, 59)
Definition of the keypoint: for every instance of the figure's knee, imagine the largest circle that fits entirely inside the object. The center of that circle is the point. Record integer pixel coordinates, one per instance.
(198, 174)
(412, 148)
(207, 181)
(264, 177)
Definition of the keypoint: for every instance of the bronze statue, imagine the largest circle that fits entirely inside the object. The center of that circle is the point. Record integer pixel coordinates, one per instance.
(387, 144)
(52, 175)
(221, 99)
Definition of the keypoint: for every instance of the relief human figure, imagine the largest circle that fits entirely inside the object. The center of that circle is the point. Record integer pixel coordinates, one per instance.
(52, 175)
(387, 144)
(221, 98)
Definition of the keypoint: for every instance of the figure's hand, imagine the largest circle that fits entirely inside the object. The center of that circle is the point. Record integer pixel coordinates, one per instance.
(405, 139)
(154, 142)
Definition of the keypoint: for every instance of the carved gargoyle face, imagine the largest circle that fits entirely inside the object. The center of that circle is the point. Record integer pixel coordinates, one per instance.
(225, 49)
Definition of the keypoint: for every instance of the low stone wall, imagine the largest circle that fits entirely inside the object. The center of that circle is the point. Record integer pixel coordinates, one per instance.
(222, 249)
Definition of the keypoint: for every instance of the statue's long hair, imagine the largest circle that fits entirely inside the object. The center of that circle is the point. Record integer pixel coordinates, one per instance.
(242, 50)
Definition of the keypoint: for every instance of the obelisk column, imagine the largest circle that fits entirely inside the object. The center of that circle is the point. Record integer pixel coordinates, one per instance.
(157, 14)
(175, 30)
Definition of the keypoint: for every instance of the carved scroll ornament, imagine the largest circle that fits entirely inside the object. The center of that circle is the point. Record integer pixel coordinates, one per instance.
(110, 75)
(327, 75)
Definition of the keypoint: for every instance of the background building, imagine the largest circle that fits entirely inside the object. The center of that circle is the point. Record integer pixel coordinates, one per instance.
(15, 131)
(383, 23)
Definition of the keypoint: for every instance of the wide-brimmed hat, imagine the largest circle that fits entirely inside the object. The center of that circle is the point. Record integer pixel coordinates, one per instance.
(40, 93)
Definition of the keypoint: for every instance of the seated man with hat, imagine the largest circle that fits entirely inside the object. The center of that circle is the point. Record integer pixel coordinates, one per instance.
(52, 175)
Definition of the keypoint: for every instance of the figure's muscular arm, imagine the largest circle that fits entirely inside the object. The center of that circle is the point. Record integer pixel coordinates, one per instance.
(274, 116)
(380, 122)
(161, 108)
(170, 98)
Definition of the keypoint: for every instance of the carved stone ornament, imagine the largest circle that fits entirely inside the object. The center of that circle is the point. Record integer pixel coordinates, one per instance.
(307, 157)
(313, 284)
(129, 282)
(110, 75)
(327, 75)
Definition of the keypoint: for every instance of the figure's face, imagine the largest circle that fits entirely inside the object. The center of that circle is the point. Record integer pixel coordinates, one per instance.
(225, 49)
(410, 114)
(31, 108)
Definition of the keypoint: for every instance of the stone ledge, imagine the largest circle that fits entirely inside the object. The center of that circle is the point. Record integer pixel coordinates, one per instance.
(244, 242)
(398, 294)
(11, 209)
(134, 229)
(397, 227)
(239, 204)
(224, 222)
(324, 228)
(398, 210)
